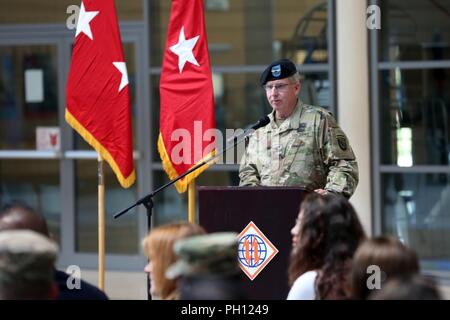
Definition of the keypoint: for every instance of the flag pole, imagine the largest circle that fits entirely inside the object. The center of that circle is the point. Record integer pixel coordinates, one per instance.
(101, 224)
(191, 201)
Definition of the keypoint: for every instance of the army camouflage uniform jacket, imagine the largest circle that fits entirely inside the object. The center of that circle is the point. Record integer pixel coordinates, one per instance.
(308, 149)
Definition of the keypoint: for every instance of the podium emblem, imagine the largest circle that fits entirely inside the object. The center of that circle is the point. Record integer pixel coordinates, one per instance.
(255, 251)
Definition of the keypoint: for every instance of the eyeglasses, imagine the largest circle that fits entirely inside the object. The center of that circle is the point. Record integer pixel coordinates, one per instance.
(278, 87)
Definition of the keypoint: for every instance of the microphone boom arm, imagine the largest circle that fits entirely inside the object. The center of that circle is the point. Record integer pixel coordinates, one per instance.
(147, 200)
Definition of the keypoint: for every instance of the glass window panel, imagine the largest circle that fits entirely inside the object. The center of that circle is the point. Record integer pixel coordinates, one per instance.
(300, 29)
(414, 30)
(129, 52)
(154, 111)
(253, 32)
(172, 206)
(240, 100)
(415, 117)
(121, 234)
(169, 205)
(415, 208)
(28, 94)
(36, 184)
(130, 10)
(51, 11)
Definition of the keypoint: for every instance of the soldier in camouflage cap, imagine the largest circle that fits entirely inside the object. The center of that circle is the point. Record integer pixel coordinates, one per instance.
(301, 146)
(214, 253)
(27, 265)
(207, 267)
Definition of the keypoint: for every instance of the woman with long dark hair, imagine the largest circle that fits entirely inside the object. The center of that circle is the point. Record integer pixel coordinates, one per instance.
(389, 255)
(324, 239)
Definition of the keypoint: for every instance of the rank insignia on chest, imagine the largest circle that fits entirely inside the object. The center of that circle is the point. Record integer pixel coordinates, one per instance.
(301, 127)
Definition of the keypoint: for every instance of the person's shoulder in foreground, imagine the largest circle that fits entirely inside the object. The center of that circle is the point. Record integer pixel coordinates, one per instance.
(304, 287)
(85, 291)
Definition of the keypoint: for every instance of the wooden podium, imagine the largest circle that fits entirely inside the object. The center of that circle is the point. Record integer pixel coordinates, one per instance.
(273, 210)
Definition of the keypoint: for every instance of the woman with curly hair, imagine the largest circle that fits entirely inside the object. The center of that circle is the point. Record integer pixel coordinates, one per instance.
(158, 247)
(324, 239)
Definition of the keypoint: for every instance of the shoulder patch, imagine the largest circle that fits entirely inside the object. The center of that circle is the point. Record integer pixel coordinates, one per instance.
(342, 142)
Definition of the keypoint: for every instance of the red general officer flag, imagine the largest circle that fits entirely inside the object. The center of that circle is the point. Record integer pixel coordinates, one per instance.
(186, 91)
(98, 98)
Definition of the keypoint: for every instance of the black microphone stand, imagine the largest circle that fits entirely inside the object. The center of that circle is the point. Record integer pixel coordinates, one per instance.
(147, 201)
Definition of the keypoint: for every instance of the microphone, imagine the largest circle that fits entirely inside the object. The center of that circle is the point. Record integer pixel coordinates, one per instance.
(260, 123)
(264, 121)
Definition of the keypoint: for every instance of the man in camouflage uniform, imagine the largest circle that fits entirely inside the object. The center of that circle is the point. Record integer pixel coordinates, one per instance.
(301, 146)
(27, 262)
(207, 267)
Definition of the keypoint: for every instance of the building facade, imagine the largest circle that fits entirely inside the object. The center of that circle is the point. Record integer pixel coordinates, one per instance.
(382, 67)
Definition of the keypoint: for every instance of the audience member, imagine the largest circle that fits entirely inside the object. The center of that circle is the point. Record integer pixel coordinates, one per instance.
(18, 216)
(325, 237)
(412, 287)
(207, 267)
(26, 266)
(386, 255)
(158, 247)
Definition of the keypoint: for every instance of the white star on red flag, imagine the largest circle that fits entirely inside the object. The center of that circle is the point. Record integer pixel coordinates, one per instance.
(84, 19)
(97, 91)
(183, 49)
(122, 67)
(186, 97)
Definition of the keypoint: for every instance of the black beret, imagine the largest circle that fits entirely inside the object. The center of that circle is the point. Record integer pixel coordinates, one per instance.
(277, 70)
